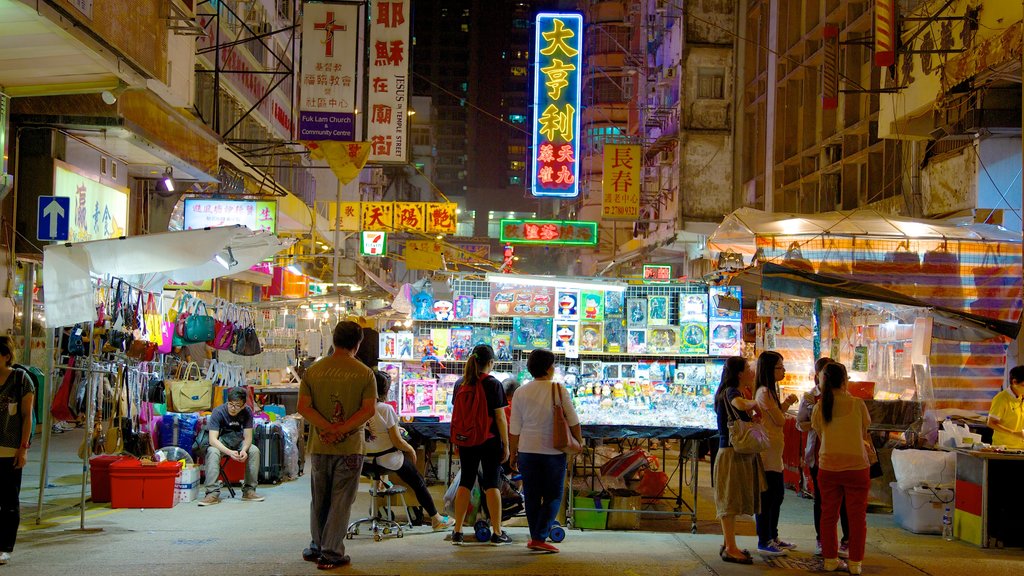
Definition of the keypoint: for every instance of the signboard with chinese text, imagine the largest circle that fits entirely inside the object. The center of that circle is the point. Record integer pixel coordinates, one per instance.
(621, 182)
(349, 219)
(98, 211)
(388, 78)
(551, 232)
(557, 68)
(410, 217)
(423, 255)
(253, 214)
(373, 243)
(442, 217)
(378, 216)
(328, 76)
(455, 255)
(657, 272)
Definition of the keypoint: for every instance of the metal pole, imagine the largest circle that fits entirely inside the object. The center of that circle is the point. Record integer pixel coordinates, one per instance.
(817, 329)
(46, 419)
(26, 312)
(95, 380)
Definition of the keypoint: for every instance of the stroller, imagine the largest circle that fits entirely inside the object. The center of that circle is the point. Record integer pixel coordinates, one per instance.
(478, 515)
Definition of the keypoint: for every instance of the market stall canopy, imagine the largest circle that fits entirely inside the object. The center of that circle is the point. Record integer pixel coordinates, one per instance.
(953, 265)
(147, 262)
(950, 324)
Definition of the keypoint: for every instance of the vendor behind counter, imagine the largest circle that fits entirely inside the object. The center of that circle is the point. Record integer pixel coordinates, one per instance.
(1006, 415)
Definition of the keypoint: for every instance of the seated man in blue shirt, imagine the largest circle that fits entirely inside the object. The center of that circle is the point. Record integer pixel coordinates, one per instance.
(230, 427)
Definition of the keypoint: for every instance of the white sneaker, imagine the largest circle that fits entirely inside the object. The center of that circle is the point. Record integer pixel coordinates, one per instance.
(5, 557)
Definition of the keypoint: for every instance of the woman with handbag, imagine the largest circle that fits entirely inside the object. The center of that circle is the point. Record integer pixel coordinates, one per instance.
(771, 370)
(738, 475)
(841, 422)
(17, 397)
(544, 428)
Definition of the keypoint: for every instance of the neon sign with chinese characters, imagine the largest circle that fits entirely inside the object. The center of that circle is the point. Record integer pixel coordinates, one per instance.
(552, 232)
(558, 61)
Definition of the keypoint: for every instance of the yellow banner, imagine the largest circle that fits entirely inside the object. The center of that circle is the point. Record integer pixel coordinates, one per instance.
(348, 220)
(410, 217)
(345, 159)
(378, 216)
(621, 182)
(423, 255)
(442, 217)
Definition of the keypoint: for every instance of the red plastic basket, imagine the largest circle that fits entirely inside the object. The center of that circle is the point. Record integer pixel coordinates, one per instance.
(134, 485)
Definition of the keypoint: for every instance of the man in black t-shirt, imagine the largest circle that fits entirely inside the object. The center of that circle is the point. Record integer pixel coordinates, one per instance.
(230, 428)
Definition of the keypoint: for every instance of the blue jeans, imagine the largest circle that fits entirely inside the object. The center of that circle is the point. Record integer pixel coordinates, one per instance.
(543, 481)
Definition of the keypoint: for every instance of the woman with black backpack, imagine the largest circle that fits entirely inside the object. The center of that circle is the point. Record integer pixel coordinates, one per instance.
(480, 432)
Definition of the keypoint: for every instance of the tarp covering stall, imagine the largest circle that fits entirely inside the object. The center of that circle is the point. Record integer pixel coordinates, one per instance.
(968, 274)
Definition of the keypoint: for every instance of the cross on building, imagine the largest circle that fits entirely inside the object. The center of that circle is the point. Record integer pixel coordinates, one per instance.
(330, 27)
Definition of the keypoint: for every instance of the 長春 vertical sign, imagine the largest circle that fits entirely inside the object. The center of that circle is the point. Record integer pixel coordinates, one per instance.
(557, 65)
(388, 104)
(329, 71)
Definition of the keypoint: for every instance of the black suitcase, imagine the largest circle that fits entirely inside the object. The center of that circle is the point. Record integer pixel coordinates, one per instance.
(269, 438)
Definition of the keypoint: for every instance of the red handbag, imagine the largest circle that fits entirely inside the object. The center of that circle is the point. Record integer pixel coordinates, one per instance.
(59, 408)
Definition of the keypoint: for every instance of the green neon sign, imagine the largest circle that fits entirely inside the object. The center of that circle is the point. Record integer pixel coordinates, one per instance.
(549, 232)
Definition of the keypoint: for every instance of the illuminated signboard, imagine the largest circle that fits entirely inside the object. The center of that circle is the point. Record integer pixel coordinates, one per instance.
(98, 211)
(552, 232)
(373, 243)
(657, 272)
(256, 215)
(557, 68)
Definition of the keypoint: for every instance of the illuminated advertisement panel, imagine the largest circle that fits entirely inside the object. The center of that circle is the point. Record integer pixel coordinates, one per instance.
(558, 63)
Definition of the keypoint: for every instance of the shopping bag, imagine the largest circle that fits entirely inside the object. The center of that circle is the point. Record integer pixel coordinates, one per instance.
(794, 258)
(199, 326)
(562, 436)
(832, 261)
(621, 467)
(167, 340)
(940, 277)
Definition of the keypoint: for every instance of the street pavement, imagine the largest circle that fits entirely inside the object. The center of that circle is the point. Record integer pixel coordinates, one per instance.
(253, 539)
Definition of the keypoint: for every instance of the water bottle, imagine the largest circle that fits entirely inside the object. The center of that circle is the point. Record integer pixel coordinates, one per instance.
(947, 525)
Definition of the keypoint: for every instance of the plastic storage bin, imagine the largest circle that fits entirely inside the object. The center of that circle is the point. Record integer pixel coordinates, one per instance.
(99, 476)
(919, 510)
(134, 485)
(590, 519)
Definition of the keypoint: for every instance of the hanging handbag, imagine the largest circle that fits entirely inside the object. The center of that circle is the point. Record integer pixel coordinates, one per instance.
(832, 261)
(60, 409)
(729, 260)
(875, 469)
(561, 436)
(794, 258)
(76, 344)
(745, 437)
(113, 442)
(199, 326)
(246, 340)
(155, 393)
(225, 327)
(185, 394)
(167, 340)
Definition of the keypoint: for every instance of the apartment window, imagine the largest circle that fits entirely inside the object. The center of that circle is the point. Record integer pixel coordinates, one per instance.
(517, 118)
(519, 70)
(711, 83)
(515, 180)
(517, 166)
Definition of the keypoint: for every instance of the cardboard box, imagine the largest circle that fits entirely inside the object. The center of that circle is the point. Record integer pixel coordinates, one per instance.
(624, 500)
(184, 495)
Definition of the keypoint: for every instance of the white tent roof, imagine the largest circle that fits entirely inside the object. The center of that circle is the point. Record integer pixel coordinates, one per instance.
(147, 262)
(740, 228)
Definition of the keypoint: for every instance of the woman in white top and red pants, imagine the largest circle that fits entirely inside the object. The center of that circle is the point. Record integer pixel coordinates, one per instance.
(532, 446)
(841, 422)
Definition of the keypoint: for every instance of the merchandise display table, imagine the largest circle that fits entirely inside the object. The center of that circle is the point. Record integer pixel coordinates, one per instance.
(686, 472)
(987, 513)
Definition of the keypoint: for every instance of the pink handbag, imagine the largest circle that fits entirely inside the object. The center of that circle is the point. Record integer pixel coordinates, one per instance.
(224, 330)
(167, 344)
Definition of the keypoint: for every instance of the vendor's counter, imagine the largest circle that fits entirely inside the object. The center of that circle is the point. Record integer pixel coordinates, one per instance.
(442, 431)
(987, 511)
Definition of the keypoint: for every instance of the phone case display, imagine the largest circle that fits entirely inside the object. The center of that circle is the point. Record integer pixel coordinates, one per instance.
(637, 339)
(460, 343)
(481, 310)
(636, 312)
(422, 306)
(501, 342)
(418, 397)
(693, 338)
(463, 307)
(693, 308)
(530, 333)
(654, 393)
(726, 338)
(444, 311)
(388, 345)
(725, 302)
(565, 336)
(404, 346)
(481, 335)
(663, 340)
(591, 336)
(615, 335)
(657, 310)
(518, 300)
(614, 304)
(567, 305)
(592, 305)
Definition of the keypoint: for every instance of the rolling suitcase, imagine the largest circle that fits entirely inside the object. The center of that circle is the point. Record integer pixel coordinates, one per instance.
(269, 438)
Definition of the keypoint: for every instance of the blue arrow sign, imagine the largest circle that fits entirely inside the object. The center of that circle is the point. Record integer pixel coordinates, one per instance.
(53, 218)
